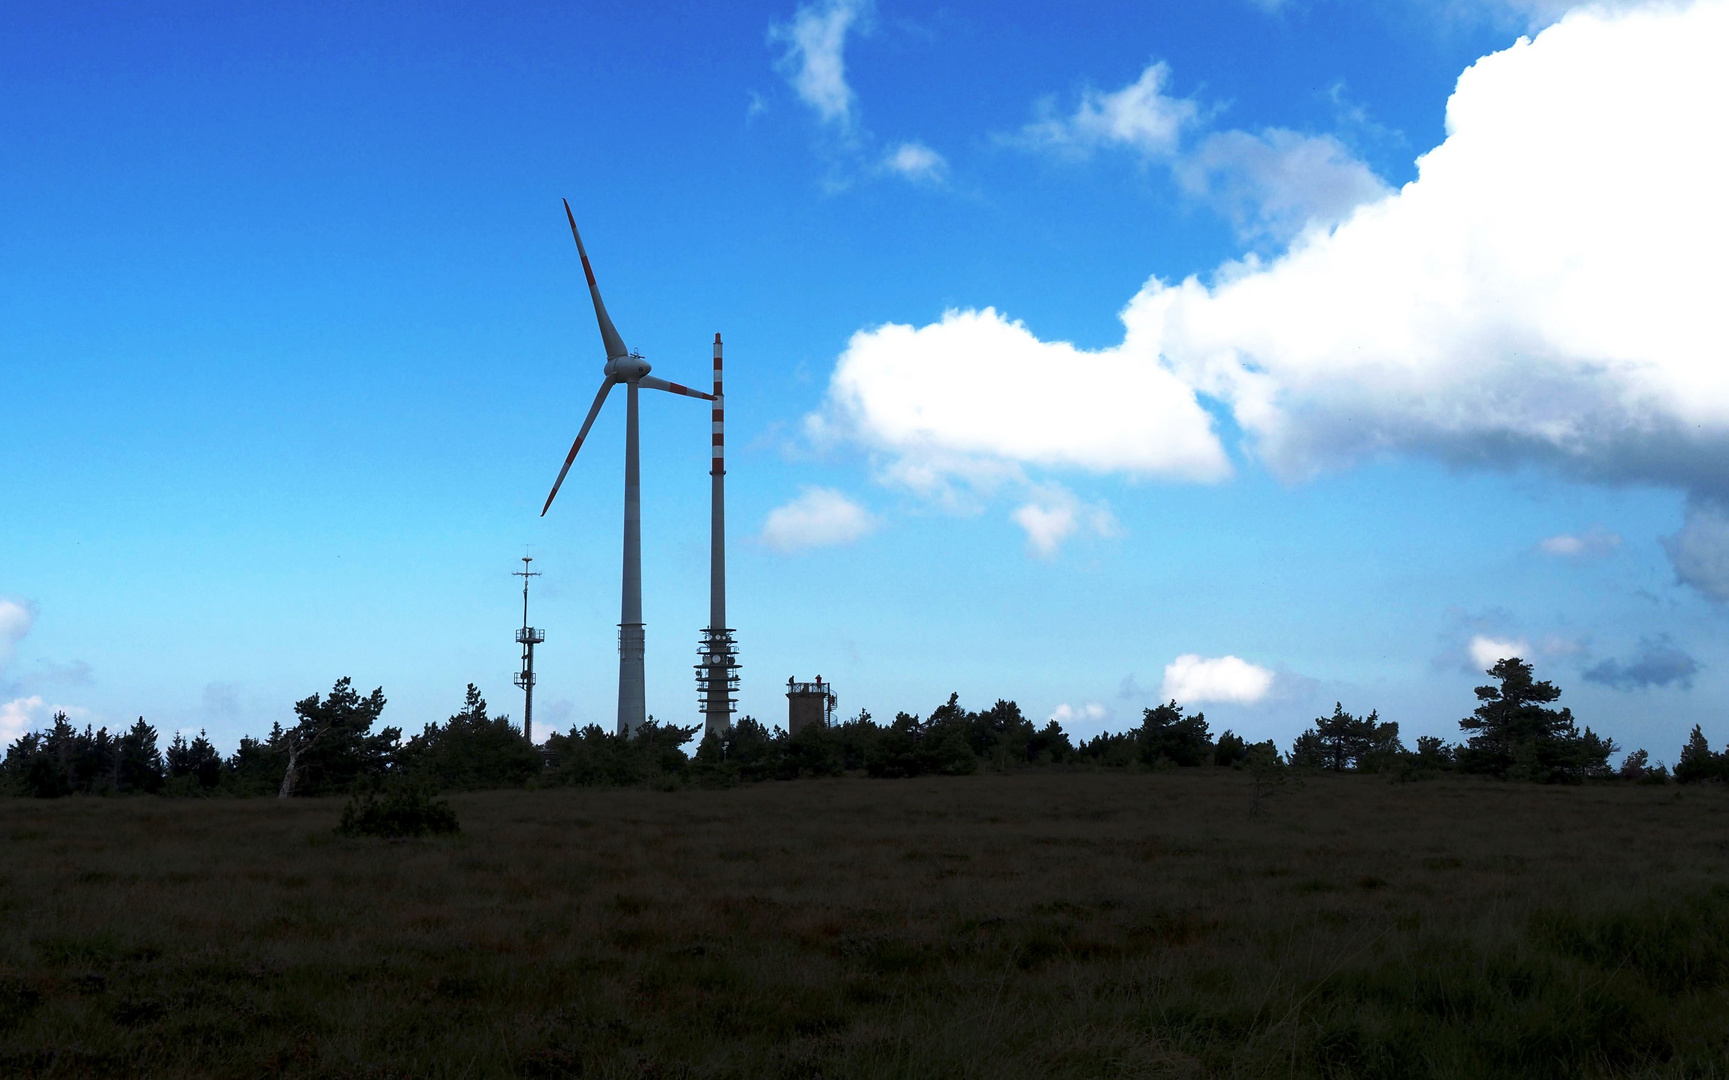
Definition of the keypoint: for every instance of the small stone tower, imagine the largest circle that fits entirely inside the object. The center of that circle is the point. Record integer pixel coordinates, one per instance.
(808, 703)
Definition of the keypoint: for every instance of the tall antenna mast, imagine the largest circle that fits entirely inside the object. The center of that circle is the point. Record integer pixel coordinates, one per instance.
(717, 654)
(528, 637)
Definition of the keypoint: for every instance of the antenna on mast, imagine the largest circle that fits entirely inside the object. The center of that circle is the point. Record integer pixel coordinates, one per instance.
(717, 653)
(528, 637)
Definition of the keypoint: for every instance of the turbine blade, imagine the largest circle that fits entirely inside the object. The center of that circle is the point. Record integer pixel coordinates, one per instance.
(593, 411)
(608, 336)
(649, 382)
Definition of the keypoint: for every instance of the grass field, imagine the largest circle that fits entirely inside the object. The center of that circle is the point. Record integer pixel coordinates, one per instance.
(1045, 924)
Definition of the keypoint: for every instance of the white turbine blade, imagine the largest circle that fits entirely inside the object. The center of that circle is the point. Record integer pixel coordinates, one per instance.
(649, 382)
(593, 411)
(608, 336)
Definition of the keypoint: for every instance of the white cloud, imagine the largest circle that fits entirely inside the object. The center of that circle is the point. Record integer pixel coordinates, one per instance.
(819, 517)
(1485, 651)
(1543, 290)
(1193, 679)
(1546, 291)
(1593, 541)
(814, 62)
(29, 713)
(1269, 186)
(1140, 116)
(1275, 184)
(17, 717)
(16, 618)
(1054, 514)
(915, 161)
(1091, 712)
(977, 393)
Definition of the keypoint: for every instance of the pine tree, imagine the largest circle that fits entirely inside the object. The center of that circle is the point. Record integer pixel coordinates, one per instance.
(333, 745)
(1515, 736)
(137, 762)
(1697, 762)
(471, 751)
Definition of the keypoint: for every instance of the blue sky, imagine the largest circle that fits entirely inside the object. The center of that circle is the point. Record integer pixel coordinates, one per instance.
(1075, 358)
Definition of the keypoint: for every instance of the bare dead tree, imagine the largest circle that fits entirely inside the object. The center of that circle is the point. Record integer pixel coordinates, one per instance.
(298, 743)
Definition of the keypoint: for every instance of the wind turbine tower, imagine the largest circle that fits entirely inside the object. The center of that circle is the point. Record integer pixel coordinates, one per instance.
(528, 637)
(629, 368)
(717, 655)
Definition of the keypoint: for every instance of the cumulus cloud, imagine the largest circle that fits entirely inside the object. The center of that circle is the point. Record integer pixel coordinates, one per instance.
(16, 619)
(29, 713)
(1276, 184)
(814, 60)
(1502, 306)
(1657, 663)
(1543, 292)
(819, 517)
(18, 716)
(1054, 514)
(1193, 679)
(1487, 651)
(977, 389)
(1594, 541)
(1140, 117)
(915, 161)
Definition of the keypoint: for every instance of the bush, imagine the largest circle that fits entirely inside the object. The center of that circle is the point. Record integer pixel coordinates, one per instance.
(403, 809)
(1637, 767)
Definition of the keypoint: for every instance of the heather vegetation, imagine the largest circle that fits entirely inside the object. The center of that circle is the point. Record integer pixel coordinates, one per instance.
(1164, 901)
(1132, 922)
(337, 745)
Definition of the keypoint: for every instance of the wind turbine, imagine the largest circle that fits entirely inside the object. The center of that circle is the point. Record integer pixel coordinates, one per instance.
(629, 368)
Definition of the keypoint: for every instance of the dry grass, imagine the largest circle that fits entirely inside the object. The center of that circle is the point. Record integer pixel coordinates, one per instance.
(1045, 924)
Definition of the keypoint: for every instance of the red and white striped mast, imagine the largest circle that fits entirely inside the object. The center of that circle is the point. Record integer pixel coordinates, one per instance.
(717, 655)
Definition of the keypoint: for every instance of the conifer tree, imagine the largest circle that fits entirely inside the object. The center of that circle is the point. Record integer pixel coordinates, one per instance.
(1514, 735)
(1697, 762)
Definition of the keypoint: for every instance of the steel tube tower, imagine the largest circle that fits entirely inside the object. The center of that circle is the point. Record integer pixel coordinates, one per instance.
(528, 637)
(632, 702)
(717, 654)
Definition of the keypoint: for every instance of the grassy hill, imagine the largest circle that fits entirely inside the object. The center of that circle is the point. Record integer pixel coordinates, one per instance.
(1046, 924)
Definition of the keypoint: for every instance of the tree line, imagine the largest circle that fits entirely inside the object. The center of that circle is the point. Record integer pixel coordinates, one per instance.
(337, 745)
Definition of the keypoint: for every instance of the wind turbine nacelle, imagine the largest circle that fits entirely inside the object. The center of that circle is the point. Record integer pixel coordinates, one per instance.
(627, 368)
